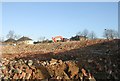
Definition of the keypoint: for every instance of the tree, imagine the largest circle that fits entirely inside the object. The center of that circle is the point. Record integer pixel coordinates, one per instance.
(17, 36)
(85, 33)
(11, 35)
(92, 35)
(1, 39)
(42, 38)
(79, 33)
(110, 34)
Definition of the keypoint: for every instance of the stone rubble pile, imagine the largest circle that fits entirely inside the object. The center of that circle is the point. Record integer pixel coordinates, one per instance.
(78, 60)
(53, 69)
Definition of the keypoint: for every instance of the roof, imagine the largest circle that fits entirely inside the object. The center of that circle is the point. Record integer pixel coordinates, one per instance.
(24, 39)
(82, 36)
(10, 40)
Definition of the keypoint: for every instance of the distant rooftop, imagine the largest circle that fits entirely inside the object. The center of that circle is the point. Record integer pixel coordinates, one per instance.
(24, 39)
(10, 40)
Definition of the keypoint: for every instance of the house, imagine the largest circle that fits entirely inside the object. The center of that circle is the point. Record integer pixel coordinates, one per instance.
(10, 41)
(25, 40)
(76, 38)
(65, 40)
(83, 38)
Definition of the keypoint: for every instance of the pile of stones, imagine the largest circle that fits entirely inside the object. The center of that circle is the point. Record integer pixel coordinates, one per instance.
(100, 61)
(51, 69)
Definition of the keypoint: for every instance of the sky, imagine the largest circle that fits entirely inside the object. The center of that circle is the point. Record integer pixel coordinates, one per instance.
(49, 19)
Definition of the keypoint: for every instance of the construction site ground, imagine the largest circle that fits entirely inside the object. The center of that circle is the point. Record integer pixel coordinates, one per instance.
(97, 59)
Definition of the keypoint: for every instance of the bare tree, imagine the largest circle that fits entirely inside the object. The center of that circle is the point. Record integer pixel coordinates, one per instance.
(79, 33)
(42, 38)
(92, 35)
(1, 39)
(11, 34)
(105, 34)
(17, 36)
(85, 32)
(110, 34)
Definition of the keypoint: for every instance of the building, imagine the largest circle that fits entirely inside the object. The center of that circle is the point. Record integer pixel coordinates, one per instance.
(76, 38)
(24, 40)
(10, 41)
(83, 38)
(65, 40)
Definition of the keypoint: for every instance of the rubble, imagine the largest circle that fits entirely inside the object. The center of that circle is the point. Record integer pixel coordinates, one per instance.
(67, 60)
(55, 69)
(72, 69)
(30, 62)
(53, 61)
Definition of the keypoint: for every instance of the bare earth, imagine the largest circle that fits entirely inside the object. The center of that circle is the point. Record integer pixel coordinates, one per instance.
(63, 60)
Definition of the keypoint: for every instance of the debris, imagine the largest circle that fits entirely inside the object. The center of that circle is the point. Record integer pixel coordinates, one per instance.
(30, 62)
(71, 61)
(53, 61)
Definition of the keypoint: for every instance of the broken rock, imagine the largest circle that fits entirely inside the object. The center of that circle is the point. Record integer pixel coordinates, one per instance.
(53, 61)
(30, 62)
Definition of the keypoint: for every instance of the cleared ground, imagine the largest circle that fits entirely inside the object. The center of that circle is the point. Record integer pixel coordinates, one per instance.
(100, 57)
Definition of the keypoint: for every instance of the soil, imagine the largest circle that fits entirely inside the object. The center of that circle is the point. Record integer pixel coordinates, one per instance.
(76, 60)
